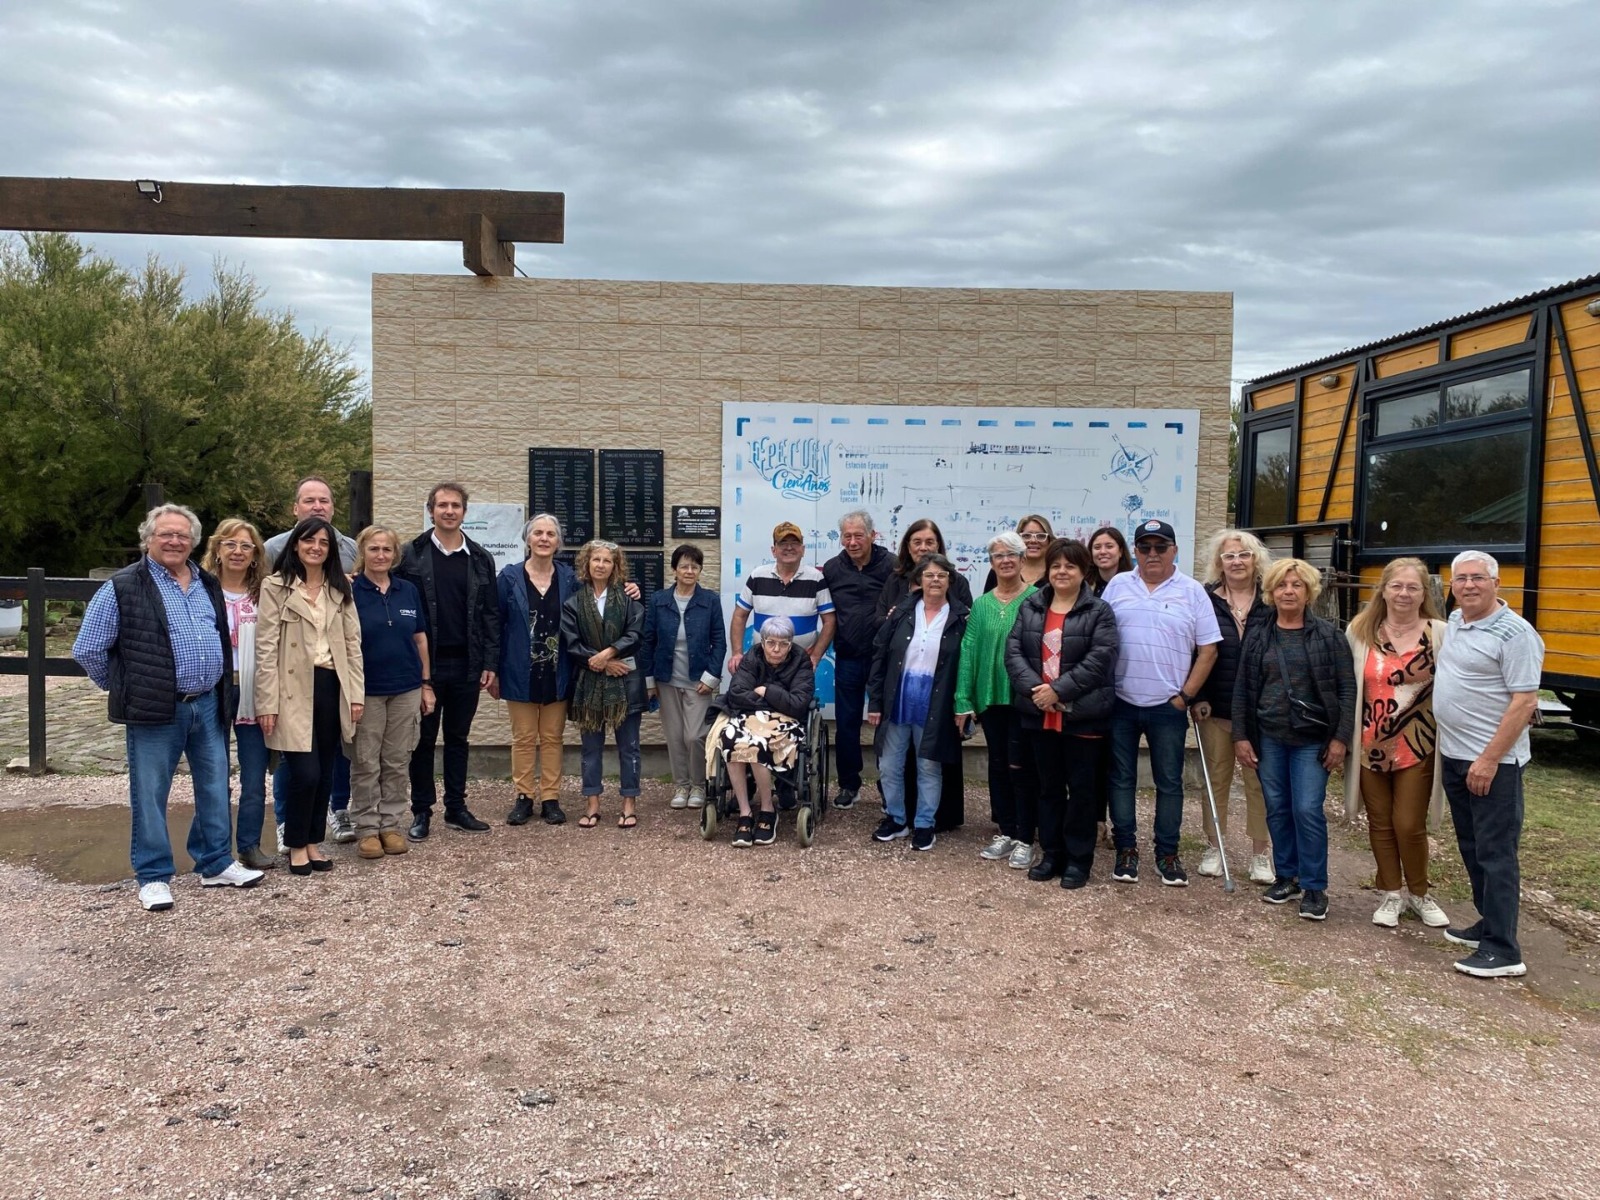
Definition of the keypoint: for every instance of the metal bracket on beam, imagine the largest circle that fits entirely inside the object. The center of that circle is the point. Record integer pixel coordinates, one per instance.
(482, 251)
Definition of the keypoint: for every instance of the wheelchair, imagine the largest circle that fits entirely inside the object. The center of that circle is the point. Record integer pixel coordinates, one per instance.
(803, 789)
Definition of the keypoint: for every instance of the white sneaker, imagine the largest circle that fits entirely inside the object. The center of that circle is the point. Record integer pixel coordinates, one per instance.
(155, 897)
(697, 797)
(344, 829)
(680, 798)
(1428, 912)
(1000, 846)
(1388, 914)
(1021, 855)
(232, 875)
(1261, 869)
(1210, 863)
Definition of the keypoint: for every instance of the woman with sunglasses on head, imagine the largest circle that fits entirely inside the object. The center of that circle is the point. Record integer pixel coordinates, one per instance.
(310, 679)
(237, 557)
(1036, 535)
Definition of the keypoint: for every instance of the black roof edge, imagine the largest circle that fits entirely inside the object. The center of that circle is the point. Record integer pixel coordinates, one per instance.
(1576, 285)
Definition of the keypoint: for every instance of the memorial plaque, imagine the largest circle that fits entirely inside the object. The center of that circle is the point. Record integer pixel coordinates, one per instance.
(631, 500)
(562, 482)
(696, 521)
(648, 569)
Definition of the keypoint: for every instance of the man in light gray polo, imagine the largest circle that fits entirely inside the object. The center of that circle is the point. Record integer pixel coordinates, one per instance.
(1485, 692)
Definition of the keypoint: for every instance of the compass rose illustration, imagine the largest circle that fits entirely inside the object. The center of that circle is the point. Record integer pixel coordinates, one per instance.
(1130, 462)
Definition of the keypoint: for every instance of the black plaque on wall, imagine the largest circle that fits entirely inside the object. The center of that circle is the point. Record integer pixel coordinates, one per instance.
(631, 497)
(648, 569)
(562, 482)
(696, 521)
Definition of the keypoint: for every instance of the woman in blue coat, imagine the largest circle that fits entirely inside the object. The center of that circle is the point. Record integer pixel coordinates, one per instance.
(684, 649)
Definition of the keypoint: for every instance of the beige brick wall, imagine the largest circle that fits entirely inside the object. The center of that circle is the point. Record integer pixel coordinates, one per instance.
(469, 372)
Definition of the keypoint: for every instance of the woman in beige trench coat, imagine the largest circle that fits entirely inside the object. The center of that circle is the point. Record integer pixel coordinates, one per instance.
(310, 680)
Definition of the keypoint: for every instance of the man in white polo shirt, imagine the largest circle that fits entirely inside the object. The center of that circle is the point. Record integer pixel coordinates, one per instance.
(1169, 634)
(1485, 691)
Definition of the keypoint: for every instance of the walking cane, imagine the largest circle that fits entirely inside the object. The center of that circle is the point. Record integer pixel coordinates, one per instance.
(1211, 800)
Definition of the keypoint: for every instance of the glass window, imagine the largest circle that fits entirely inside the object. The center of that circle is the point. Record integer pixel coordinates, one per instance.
(1404, 414)
(1483, 397)
(1464, 492)
(1269, 479)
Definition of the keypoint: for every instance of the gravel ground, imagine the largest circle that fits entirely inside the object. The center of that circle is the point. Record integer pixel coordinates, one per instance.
(540, 1012)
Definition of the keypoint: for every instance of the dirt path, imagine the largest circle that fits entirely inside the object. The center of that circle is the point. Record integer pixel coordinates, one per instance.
(546, 1011)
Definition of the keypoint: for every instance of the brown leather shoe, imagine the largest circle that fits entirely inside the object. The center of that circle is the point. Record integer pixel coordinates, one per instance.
(370, 847)
(393, 841)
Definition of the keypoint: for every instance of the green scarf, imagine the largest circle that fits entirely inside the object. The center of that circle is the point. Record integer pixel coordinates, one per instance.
(599, 699)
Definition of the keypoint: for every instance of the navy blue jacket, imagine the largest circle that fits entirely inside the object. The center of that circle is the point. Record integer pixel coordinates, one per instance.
(389, 624)
(515, 653)
(702, 620)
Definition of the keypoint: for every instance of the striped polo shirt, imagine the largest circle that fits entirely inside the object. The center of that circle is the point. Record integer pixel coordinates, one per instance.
(803, 600)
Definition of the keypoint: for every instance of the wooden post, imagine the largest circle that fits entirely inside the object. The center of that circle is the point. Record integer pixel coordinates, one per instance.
(360, 501)
(36, 636)
(482, 251)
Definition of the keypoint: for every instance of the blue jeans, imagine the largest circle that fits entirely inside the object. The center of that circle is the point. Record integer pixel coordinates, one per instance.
(338, 801)
(1164, 730)
(153, 753)
(251, 748)
(849, 703)
(1295, 785)
(930, 775)
(627, 735)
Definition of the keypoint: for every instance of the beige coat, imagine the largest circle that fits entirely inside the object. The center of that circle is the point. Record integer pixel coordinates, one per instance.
(1352, 771)
(284, 646)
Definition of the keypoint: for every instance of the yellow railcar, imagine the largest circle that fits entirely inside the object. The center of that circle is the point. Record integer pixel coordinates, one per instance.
(1476, 433)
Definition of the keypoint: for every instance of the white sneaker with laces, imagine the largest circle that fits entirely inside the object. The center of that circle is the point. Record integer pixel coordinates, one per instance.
(680, 798)
(1021, 855)
(344, 829)
(233, 875)
(155, 897)
(697, 797)
(1000, 846)
(1388, 914)
(1210, 863)
(1261, 869)
(1428, 912)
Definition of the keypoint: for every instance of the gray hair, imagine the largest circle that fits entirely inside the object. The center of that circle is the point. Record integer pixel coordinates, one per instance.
(527, 528)
(858, 514)
(778, 628)
(1466, 556)
(1008, 540)
(148, 525)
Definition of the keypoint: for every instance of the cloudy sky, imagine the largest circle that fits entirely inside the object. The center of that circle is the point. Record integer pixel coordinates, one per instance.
(1348, 170)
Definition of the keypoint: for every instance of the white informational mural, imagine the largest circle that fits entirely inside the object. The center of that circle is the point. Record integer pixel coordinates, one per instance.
(974, 471)
(495, 527)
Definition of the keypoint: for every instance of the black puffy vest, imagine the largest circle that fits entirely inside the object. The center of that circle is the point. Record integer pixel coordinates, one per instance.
(144, 689)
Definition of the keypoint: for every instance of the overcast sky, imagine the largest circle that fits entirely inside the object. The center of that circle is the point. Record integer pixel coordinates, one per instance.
(1348, 170)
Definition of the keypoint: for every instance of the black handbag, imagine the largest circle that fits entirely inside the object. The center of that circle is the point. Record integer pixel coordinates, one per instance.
(1307, 720)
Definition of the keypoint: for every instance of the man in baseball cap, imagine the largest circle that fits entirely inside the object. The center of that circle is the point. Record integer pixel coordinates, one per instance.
(784, 588)
(1169, 634)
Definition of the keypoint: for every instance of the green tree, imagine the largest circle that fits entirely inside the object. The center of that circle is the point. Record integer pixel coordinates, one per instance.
(110, 381)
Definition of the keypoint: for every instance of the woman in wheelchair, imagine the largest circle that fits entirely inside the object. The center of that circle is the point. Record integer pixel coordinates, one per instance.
(767, 705)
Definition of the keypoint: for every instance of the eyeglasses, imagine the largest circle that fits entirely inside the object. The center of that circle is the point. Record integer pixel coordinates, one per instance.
(232, 547)
(1237, 556)
(1404, 589)
(1035, 536)
(1004, 556)
(1153, 547)
(182, 538)
(1474, 579)
(934, 576)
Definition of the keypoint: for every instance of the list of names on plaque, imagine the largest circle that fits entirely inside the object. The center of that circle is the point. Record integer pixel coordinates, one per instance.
(632, 503)
(562, 482)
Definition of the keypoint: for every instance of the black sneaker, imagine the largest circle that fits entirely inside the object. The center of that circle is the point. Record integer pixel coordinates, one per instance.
(922, 839)
(419, 826)
(1467, 935)
(1485, 964)
(744, 831)
(550, 812)
(845, 799)
(1282, 891)
(462, 819)
(1127, 868)
(889, 830)
(766, 829)
(1171, 871)
(521, 811)
(1314, 905)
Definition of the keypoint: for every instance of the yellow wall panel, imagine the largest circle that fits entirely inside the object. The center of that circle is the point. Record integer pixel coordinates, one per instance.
(1490, 337)
(1398, 362)
(1272, 397)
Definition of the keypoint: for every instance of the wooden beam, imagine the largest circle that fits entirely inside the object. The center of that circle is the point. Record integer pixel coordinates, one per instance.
(243, 210)
(482, 251)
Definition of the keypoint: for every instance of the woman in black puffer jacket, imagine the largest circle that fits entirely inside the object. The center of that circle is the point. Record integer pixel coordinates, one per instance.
(1061, 655)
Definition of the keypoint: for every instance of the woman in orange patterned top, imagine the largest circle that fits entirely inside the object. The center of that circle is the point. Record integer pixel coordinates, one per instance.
(1395, 640)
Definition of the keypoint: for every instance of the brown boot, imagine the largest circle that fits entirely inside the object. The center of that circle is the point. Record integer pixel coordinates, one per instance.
(394, 842)
(370, 847)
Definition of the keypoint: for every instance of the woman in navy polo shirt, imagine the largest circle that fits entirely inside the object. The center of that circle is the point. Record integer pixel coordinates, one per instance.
(394, 645)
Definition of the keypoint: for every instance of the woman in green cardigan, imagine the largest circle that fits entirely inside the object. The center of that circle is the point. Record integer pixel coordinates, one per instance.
(983, 691)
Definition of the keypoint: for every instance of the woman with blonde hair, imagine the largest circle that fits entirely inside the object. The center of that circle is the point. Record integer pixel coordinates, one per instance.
(237, 556)
(1235, 562)
(1395, 643)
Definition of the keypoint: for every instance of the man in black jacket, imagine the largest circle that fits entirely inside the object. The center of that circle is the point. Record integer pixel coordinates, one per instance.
(156, 638)
(855, 577)
(456, 578)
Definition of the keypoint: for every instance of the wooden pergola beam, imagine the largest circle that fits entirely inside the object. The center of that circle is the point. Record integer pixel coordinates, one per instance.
(248, 210)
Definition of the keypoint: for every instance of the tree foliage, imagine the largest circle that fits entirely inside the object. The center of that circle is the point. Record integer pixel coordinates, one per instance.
(110, 381)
